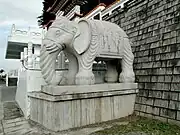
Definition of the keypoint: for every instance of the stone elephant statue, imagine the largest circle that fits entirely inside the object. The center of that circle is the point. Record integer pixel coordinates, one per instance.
(83, 42)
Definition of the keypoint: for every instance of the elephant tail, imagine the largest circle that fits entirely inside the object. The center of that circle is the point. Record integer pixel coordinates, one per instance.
(48, 66)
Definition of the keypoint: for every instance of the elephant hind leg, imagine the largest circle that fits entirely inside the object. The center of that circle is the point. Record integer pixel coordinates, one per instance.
(127, 74)
(111, 75)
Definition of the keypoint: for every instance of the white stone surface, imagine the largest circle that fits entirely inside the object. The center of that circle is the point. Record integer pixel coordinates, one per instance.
(65, 97)
(80, 109)
(59, 90)
(29, 80)
(83, 42)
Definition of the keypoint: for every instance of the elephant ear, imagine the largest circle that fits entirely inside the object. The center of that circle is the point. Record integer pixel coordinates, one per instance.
(82, 37)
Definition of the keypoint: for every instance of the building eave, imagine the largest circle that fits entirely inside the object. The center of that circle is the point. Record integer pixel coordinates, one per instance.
(52, 7)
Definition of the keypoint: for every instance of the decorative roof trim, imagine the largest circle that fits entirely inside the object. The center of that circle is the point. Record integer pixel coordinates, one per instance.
(112, 4)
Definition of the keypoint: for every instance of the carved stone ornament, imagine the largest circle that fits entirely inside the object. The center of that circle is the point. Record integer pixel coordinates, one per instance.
(83, 42)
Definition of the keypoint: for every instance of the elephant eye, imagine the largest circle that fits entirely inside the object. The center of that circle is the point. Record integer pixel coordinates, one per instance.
(58, 33)
(74, 30)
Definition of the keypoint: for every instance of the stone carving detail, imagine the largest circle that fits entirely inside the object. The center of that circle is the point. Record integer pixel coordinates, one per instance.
(83, 42)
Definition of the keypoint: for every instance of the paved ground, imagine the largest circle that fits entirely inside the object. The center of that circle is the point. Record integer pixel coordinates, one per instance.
(5, 93)
(12, 121)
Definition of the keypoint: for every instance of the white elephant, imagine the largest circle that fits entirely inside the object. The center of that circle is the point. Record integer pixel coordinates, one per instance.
(83, 42)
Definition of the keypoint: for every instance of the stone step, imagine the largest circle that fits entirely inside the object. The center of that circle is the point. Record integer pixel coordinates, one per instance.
(11, 110)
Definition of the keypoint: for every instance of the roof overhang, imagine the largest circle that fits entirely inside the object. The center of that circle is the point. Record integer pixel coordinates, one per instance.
(14, 50)
(19, 39)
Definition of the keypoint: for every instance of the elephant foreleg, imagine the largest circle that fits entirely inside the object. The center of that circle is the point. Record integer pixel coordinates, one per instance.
(85, 75)
(73, 68)
(127, 74)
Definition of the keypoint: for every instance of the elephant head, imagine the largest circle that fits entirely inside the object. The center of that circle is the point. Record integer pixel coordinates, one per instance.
(58, 37)
(62, 34)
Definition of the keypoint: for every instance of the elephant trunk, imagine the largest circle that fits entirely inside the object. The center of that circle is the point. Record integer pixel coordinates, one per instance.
(48, 66)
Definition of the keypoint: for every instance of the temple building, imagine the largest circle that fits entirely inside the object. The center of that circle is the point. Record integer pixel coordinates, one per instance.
(20, 38)
(23, 44)
(53, 8)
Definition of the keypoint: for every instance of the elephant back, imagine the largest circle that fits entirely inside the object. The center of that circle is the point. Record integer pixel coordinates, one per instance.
(106, 37)
(98, 39)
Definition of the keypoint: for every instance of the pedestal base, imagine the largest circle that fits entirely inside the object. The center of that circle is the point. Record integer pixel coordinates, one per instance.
(64, 107)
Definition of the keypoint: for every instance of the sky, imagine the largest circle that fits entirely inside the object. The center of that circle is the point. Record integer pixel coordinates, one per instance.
(22, 13)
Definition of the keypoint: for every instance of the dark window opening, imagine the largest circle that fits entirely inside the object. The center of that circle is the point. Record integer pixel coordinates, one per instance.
(33, 50)
(97, 17)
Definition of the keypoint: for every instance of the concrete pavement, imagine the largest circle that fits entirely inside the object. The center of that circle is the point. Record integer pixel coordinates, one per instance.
(7, 93)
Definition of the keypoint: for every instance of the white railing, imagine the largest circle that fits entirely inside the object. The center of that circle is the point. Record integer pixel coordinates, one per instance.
(72, 15)
(29, 59)
(96, 11)
(34, 35)
(108, 11)
(13, 73)
(59, 13)
(75, 10)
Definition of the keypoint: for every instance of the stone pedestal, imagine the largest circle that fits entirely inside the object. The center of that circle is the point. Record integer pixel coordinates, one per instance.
(64, 107)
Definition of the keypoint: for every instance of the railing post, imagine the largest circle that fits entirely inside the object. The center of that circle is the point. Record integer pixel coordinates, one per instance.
(22, 56)
(7, 80)
(30, 60)
(25, 56)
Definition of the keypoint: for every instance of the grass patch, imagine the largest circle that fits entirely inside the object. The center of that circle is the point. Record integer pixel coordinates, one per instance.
(145, 125)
